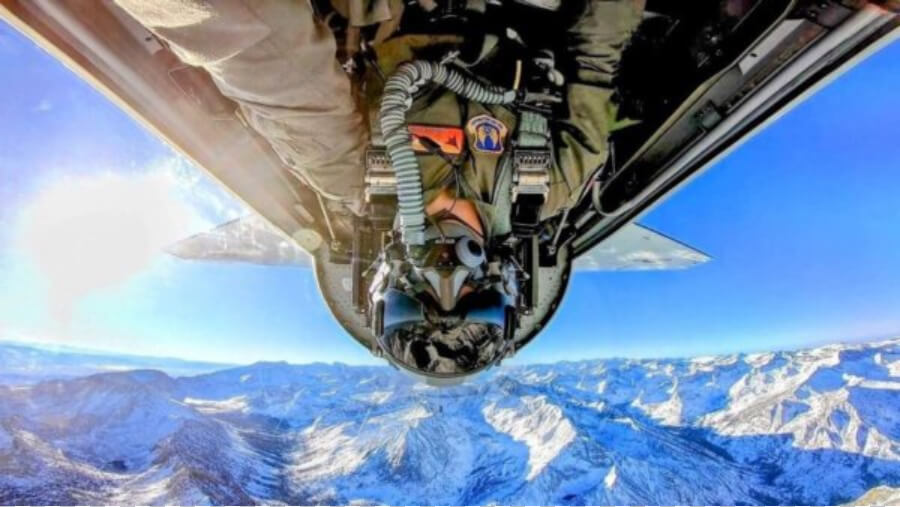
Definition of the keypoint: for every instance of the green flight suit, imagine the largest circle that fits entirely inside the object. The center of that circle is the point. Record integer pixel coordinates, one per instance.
(276, 60)
(579, 139)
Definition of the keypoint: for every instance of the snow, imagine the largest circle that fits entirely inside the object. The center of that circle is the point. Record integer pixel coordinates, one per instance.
(881, 495)
(710, 363)
(412, 417)
(818, 426)
(855, 381)
(610, 480)
(759, 360)
(538, 424)
(894, 368)
(376, 397)
(5, 439)
(628, 422)
(236, 404)
(325, 452)
(666, 412)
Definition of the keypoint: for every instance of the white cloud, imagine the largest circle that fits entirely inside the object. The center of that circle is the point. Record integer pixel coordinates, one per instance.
(43, 106)
(90, 232)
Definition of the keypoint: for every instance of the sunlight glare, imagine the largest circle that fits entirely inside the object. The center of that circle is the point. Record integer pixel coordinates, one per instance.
(91, 232)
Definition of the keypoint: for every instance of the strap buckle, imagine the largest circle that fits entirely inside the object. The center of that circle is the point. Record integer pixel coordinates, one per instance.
(380, 179)
(531, 174)
(531, 186)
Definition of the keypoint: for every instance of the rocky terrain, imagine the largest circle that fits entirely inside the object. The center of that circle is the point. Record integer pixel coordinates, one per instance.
(819, 426)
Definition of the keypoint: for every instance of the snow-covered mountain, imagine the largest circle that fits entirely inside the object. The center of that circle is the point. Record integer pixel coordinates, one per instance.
(27, 363)
(818, 426)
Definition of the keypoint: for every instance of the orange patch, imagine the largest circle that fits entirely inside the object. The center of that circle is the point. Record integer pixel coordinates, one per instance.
(450, 139)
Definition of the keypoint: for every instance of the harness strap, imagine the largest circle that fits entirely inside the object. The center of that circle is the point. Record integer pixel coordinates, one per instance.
(531, 160)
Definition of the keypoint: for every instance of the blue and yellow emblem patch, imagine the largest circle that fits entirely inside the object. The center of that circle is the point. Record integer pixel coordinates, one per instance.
(488, 134)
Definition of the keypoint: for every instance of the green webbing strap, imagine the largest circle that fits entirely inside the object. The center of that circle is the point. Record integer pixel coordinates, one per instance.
(534, 130)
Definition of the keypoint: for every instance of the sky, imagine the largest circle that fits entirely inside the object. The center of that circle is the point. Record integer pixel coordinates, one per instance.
(802, 222)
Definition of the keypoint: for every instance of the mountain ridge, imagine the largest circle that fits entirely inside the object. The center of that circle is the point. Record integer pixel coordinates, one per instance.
(30, 362)
(816, 426)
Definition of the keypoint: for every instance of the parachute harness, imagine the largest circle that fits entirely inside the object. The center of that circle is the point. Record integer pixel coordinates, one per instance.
(396, 101)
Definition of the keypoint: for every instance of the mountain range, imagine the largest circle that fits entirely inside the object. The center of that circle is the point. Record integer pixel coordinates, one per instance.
(817, 426)
(27, 363)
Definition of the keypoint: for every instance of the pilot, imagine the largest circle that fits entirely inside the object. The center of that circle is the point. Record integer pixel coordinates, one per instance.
(279, 61)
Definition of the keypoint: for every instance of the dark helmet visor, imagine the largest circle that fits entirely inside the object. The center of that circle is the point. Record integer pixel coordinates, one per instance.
(469, 341)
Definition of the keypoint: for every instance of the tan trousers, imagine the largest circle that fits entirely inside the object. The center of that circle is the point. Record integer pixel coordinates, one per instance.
(277, 61)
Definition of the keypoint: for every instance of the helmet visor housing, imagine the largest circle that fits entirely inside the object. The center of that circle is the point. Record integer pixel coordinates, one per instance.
(445, 315)
(423, 341)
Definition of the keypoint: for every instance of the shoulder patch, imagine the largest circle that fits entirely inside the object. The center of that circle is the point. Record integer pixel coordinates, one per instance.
(488, 133)
(450, 139)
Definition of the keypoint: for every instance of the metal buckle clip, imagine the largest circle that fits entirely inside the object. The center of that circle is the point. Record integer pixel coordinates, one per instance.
(531, 174)
(380, 179)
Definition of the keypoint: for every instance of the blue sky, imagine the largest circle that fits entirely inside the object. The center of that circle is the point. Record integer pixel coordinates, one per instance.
(803, 222)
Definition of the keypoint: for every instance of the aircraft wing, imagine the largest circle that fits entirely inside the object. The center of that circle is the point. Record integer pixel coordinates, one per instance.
(637, 248)
(249, 239)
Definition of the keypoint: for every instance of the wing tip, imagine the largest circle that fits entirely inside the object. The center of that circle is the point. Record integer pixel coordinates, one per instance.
(635, 247)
